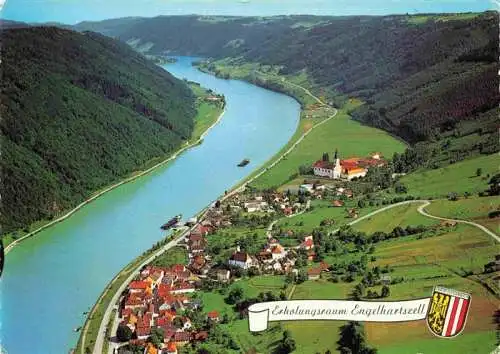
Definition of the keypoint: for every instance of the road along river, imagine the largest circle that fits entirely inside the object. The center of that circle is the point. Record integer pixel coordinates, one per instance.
(51, 279)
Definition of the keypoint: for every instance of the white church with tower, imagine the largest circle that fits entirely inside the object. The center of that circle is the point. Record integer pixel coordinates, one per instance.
(354, 167)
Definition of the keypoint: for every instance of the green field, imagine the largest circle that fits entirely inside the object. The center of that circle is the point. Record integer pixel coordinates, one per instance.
(323, 210)
(227, 239)
(251, 288)
(459, 178)
(321, 290)
(175, 255)
(465, 246)
(474, 209)
(469, 343)
(263, 342)
(421, 19)
(342, 133)
(404, 215)
(208, 112)
(438, 261)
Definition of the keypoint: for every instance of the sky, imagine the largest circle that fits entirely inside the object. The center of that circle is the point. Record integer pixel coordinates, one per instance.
(73, 11)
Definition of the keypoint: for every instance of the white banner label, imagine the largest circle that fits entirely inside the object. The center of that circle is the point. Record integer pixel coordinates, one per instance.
(363, 311)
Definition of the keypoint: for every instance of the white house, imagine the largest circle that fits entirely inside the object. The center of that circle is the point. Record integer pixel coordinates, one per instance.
(278, 252)
(241, 260)
(252, 207)
(327, 169)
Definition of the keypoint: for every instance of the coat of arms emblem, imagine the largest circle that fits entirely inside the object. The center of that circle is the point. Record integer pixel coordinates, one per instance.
(447, 311)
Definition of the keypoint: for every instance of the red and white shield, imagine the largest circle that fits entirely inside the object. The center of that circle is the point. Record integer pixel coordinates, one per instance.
(447, 313)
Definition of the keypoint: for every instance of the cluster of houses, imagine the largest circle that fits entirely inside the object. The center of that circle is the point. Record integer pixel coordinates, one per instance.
(157, 299)
(354, 167)
(273, 258)
(199, 262)
(276, 259)
(277, 201)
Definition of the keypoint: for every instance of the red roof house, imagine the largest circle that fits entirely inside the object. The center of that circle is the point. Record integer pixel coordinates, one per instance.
(213, 316)
(138, 285)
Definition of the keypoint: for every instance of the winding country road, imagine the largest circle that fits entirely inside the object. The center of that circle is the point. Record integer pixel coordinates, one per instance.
(424, 213)
(488, 231)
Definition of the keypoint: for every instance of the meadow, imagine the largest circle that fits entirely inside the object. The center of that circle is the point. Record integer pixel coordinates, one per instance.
(425, 263)
(475, 209)
(207, 112)
(175, 255)
(348, 136)
(322, 210)
(214, 300)
(458, 178)
(403, 216)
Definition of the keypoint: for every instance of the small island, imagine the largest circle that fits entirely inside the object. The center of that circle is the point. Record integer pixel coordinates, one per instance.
(244, 162)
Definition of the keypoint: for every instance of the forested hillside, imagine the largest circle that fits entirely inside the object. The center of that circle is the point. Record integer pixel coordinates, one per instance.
(79, 111)
(419, 76)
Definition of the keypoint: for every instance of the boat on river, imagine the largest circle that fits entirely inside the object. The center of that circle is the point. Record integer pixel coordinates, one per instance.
(244, 162)
(172, 222)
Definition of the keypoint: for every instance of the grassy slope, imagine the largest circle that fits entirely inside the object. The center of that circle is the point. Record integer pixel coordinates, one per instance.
(350, 137)
(207, 112)
(322, 210)
(405, 215)
(429, 262)
(459, 178)
(475, 209)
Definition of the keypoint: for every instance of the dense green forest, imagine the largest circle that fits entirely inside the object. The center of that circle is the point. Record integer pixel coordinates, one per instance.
(423, 77)
(79, 111)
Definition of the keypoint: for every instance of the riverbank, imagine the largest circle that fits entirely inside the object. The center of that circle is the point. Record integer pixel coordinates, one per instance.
(209, 115)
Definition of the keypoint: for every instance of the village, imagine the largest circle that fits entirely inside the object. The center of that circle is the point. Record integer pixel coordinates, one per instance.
(156, 310)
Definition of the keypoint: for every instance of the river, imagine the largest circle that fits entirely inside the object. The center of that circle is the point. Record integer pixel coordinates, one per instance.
(55, 276)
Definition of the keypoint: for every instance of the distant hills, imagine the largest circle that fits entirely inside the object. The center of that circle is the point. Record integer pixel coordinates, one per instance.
(422, 77)
(79, 111)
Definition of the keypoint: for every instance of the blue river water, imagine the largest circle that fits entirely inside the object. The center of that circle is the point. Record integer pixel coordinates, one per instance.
(52, 278)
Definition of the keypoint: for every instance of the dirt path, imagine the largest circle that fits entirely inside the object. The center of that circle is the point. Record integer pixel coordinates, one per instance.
(424, 213)
(483, 228)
